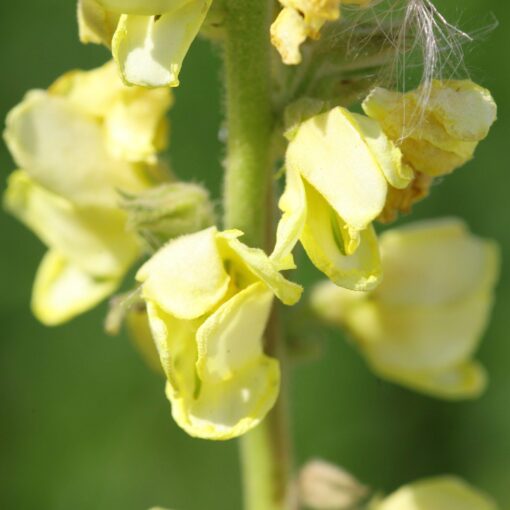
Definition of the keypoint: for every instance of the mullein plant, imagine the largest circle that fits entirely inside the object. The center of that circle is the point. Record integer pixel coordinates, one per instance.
(204, 306)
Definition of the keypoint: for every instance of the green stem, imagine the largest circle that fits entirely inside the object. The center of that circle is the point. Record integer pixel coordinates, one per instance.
(265, 459)
(265, 451)
(249, 117)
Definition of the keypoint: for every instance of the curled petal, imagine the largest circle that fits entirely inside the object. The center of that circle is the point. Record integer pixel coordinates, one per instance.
(62, 290)
(440, 134)
(385, 152)
(290, 227)
(288, 32)
(150, 49)
(261, 267)
(231, 338)
(330, 152)
(186, 277)
(96, 24)
(324, 241)
(228, 409)
(213, 407)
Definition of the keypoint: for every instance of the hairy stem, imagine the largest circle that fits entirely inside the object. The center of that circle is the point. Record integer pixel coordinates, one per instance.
(265, 459)
(249, 117)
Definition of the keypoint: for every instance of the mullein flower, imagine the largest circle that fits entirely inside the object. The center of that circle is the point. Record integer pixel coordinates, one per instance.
(209, 298)
(437, 130)
(76, 145)
(421, 326)
(303, 19)
(339, 166)
(149, 38)
(439, 493)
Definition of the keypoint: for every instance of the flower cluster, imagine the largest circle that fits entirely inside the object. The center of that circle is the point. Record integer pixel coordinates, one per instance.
(93, 187)
(75, 145)
(209, 298)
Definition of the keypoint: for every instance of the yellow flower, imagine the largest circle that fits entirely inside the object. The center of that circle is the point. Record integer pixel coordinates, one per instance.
(209, 298)
(440, 493)
(302, 19)
(76, 148)
(437, 130)
(149, 38)
(339, 166)
(421, 326)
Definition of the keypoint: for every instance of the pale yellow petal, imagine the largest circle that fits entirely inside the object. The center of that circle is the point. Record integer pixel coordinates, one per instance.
(323, 241)
(331, 154)
(62, 290)
(231, 338)
(437, 129)
(229, 409)
(144, 7)
(175, 343)
(288, 32)
(209, 408)
(92, 92)
(441, 493)
(96, 24)
(293, 206)
(94, 239)
(133, 118)
(150, 50)
(252, 264)
(387, 155)
(414, 339)
(64, 151)
(134, 123)
(186, 277)
(465, 109)
(435, 262)
(333, 303)
(465, 381)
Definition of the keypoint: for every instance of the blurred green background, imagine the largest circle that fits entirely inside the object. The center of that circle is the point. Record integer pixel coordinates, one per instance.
(85, 425)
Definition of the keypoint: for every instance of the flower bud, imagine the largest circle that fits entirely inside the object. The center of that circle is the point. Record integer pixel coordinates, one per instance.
(324, 486)
(170, 210)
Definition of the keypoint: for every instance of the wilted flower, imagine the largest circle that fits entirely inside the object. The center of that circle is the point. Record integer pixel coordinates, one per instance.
(149, 38)
(437, 130)
(422, 325)
(303, 19)
(440, 493)
(324, 486)
(339, 166)
(209, 297)
(77, 144)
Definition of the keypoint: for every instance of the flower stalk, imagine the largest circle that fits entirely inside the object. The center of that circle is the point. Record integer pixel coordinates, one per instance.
(264, 452)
